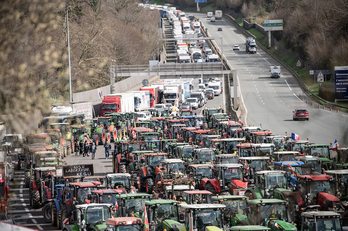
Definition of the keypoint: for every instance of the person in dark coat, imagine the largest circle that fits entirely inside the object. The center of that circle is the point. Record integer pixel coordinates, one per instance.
(93, 150)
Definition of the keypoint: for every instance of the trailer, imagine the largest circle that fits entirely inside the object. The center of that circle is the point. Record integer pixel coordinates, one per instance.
(218, 14)
(154, 94)
(121, 102)
(141, 100)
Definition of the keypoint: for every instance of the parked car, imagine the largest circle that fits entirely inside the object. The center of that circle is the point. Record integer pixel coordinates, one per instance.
(236, 47)
(300, 114)
(193, 102)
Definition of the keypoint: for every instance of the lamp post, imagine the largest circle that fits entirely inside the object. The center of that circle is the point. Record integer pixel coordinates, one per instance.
(67, 28)
(112, 76)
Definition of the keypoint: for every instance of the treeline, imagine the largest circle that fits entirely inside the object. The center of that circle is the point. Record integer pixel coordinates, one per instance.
(34, 56)
(316, 29)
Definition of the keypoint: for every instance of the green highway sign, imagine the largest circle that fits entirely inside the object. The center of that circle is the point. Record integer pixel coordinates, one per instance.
(273, 24)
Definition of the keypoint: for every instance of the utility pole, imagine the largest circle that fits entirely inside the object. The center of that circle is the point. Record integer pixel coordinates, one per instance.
(112, 76)
(67, 28)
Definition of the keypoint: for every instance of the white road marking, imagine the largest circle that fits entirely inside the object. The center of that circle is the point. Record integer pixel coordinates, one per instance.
(22, 199)
(297, 97)
(344, 115)
(26, 209)
(21, 191)
(24, 206)
(39, 227)
(20, 195)
(34, 221)
(287, 84)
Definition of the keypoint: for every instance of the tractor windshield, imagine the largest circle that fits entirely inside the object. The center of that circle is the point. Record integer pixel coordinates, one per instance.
(82, 193)
(233, 173)
(207, 156)
(176, 168)
(316, 187)
(166, 211)
(96, 214)
(235, 207)
(231, 146)
(321, 151)
(150, 137)
(245, 152)
(155, 160)
(231, 160)
(213, 111)
(120, 182)
(208, 218)
(276, 180)
(314, 164)
(134, 205)
(327, 224)
(264, 151)
(109, 198)
(298, 146)
(273, 212)
(187, 152)
(127, 228)
(102, 121)
(278, 143)
(260, 139)
(259, 165)
(38, 140)
(204, 172)
(287, 158)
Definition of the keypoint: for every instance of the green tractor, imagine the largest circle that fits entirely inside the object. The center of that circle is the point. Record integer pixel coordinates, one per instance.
(204, 217)
(342, 158)
(273, 213)
(269, 184)
(249, 228)
(132, 204)
(88, 217)
(323, 152)
(163, 215)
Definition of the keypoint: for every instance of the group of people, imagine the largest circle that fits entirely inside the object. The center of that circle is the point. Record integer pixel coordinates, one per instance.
(84, 148)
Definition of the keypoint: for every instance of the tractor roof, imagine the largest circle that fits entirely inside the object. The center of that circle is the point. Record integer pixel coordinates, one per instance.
(85, 184)
(338, 172)
(261, 133)
(249, 228)
(262, 145)
(291, 163)
(201, 131)
(265, 201)
(46, 152)
(198, 192)
(286, 153)
(84, 206)
(269, 172)
(150, 133)
(228, 165)
(156, 154)
(168, 161)
(320, 214)
(227, 156)
(229, 197)
(118, 175)
(161, 202)
(78, 125)
(316, 145)
(124, 221)
(203, 206)
(190, 128)
(254, 158)
(201, 165)
(307, 157)
(320, 177)
(169, 140)
(244, 145)
(179, 187)
(110, 191)
(232, 139)
(134, 195)
(142, 152)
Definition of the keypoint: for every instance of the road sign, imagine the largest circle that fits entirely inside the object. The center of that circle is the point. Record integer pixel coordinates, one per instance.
(320, 77)
(272, 25)
(145, 82)
(275, 47)
(78, 170)
(341, 82)
(298, 64)
(315, 72)
(200, 1)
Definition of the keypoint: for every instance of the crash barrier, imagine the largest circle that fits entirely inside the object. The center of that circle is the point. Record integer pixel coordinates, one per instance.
(303, 86)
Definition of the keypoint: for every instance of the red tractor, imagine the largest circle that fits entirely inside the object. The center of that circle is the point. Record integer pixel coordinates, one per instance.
(313, 192)
(204, 176)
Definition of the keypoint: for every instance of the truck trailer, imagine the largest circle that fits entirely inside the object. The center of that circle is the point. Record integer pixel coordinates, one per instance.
(141, 100)
(218, 14)
(154, 94)
(121, 102)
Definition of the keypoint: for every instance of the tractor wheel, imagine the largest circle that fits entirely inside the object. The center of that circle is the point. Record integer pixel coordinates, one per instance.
(149, 185)
(103, 139)
(35, 195)
(26, 179)
(59, 219)
(123, 168)
(251, 195)
(210, 188)
(139, 184)
(114, 135)
(47, 214)
(54, 214)
(31, 183)
(199, 198)
(64, 214)
(108, 137)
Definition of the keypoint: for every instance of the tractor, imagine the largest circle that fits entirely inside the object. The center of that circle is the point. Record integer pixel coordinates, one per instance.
(177, 192)
(260, 137)
(103, 130)
(285, 156)
(149, 171)
(296, 145)
(207, 140)
(236, 207)
(132, 204)
(227, 159)
(313, 192)
(186, 153)
(273, 213)
(205, 155)
(163, 215)
(228, 145)
(342, 158)
(313, 161)
(88, 217)
(231, 178)
(278, 141)
(232, 129)
(245, 150)
(204, 176)
(121, 180)
(204, 217)
(173, 149)
(247, 132)
(124, 223)
(323, 152)
(255, 163)
(263, 149)
(197, 136)
(186, 133)
(323, 220)
(339, 183)
(268, 184)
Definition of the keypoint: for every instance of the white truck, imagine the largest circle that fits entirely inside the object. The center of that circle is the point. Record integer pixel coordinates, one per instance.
(141, 100)
(275, 71)
(85, 108)
(218, 14)
(209, 14)
(172, 94)
(196, 26)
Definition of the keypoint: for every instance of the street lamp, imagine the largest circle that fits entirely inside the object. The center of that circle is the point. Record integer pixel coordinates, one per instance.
(112, 76)
(67, 28)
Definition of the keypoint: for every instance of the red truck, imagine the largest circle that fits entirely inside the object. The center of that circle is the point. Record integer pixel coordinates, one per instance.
(4, 189)
(154, 95)
(121, 102)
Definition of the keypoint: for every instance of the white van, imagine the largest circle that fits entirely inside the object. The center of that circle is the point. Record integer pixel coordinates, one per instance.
(216, 86)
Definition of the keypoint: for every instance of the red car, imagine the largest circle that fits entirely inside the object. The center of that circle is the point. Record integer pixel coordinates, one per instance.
(300, 114)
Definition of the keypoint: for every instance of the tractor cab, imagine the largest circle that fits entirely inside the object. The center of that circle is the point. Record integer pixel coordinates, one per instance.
(339, 183)
(314, 162)
(342, 158)
(208, 141)
(278, 141)
(186, 153)
(132, 204)
(231, 178)
(187, 114)
(260, 137)
(285, 156)
(229, 145)
(323, 152)
(323, 220)
(227, 159)
(148, 136)
(120, 180)
(263, 149)
(247, 132)
(273, 213)
(165, 143)
(205, 155)
(107, 196)
(186, 133)
(204, 176)
(245, 149)
(197, 136)
(116, 118)
(124, 224)
(294, 168)
(158, 122)
(173, 149)
(215, 120)
(198, 197)
(174, 131)
(231, 129)
(253, 164)
(177, 192)
(170, 171)
(235, 206)
(297, 145)
(143, 124)
(203, 217)
(208, 112)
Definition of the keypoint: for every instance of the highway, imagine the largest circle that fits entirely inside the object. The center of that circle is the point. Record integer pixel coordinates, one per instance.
(271, 101)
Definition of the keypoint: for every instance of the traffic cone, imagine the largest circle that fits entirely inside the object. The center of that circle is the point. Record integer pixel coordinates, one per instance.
(318, 105)
(324, 107)
(306, 101)
(312, 104)
(337, 110)
(330, 108)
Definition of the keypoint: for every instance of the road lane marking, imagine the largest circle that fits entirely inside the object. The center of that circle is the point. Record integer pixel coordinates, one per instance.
(288, 85)
(297, 97)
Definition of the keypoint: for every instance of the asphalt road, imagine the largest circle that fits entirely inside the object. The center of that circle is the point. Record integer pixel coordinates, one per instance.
(271, 101)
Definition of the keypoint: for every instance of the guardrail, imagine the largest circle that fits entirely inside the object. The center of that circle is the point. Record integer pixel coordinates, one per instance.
(303, 86)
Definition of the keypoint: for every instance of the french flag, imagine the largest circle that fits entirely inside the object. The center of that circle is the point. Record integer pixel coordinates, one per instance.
(335, 146)
(295, 136)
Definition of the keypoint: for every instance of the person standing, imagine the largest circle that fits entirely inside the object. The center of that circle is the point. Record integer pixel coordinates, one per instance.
(93, 150)
(85, 149)
(77, 147)
(107, 149)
